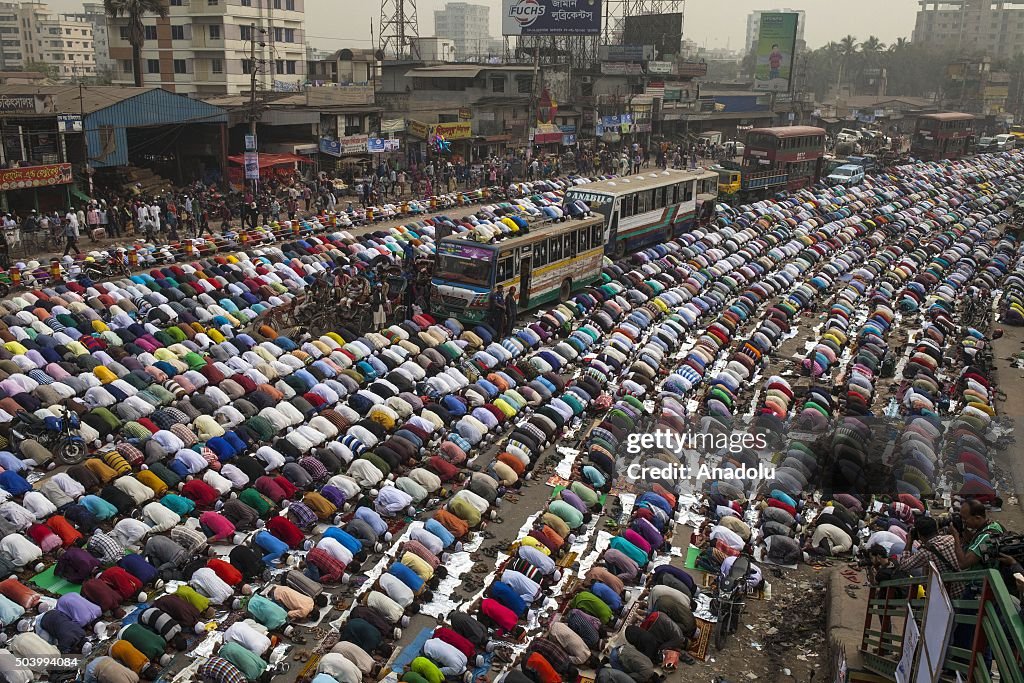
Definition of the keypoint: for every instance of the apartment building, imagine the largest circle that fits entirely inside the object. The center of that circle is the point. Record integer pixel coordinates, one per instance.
(94, 14)
(29, 33)
(466, 25)
(209, 47)
(992, 28)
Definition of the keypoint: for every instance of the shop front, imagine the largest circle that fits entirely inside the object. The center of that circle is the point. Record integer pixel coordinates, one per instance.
(45, 188)
(422, 141)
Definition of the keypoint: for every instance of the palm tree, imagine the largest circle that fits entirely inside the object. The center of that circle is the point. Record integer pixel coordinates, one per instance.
(900, 45)
(847, 51)
(872, 46)
(134, 10)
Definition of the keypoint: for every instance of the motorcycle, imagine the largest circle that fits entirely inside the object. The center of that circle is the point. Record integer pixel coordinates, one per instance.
(59, 435)
(727, 601)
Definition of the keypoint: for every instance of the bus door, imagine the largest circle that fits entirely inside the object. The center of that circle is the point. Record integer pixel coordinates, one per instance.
(612, 243)
(525, 259)
(525, 270)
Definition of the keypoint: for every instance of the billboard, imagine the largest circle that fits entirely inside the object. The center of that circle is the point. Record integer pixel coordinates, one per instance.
(35, 176)
(551, 17)
(774, 52)
(663, 31)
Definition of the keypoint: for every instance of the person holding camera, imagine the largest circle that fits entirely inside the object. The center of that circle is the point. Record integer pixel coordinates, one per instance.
(977, 544)
(929, 546)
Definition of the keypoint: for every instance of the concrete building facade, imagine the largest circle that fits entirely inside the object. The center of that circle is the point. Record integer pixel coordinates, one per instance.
(975, 27)
(63, 41)
(466, 25)
(204, 47)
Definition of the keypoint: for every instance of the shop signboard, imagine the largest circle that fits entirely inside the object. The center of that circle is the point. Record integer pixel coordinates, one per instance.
(35, 176)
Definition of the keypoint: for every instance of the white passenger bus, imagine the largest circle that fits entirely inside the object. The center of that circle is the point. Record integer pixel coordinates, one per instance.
(653, 207)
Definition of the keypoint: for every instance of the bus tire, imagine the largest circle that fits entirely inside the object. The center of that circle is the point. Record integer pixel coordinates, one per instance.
(619, 250)
(565, 290)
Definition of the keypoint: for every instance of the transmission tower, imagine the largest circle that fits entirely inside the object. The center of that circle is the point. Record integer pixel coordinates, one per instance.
(399, 29)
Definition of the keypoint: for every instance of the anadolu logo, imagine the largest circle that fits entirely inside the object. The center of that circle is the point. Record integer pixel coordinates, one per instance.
(525, 12)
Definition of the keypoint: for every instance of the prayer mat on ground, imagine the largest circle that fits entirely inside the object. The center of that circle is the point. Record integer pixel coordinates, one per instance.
(54, 584)
(411, 651)
(699, 646)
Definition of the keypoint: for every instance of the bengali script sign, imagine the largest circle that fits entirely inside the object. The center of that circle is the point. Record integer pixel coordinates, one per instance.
(35, 176)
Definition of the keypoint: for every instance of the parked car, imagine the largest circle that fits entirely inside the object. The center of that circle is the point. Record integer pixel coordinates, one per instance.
(1005, 142)
(986, 144)
(847, 174)
(848, 135)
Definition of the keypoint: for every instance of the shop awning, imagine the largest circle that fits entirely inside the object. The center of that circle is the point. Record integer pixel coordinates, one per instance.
(271, 160)
(75, 192)
(547, 138)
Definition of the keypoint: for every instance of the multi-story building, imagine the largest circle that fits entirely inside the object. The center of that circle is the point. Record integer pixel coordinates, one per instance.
(94, 14)
(977, 27)
(466, 25)
(11, 55)
(62, 41)
(754, 26)
(212, 47)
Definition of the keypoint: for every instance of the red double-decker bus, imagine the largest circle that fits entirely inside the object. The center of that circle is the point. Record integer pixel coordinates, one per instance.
(783, 158)
(947, 135)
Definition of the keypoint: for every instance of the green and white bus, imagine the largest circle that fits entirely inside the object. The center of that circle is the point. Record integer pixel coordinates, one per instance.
(650, 208)
(548, 263)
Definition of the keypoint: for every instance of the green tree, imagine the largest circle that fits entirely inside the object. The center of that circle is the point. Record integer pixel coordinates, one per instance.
(51, 71)
(134, 10)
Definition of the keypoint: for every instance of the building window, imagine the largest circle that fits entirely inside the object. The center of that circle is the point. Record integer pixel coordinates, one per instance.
(524, 85)
(179, 66)
(245, 32)
(497, 85)
(215, 31)
(247, 66)
(176, 3)
(289, 66)
(151, 33)
(289, 4)
(127, 66)
(278, 34)
(277, 4)
(212, 3)
(279, 66)
(153, 66)
(217, 66)
(177, 33)
(123, 32)
(67, 31)
(289, 35)
(246, 3)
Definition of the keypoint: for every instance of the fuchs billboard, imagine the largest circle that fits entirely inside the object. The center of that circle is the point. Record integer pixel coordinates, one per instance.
(551, 17)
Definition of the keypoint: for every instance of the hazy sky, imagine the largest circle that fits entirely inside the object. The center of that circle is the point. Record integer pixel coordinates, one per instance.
(333, 24)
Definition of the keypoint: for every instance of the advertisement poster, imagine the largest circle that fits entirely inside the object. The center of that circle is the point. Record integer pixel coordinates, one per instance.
(775, 47)
(252, 166)
(551, 17)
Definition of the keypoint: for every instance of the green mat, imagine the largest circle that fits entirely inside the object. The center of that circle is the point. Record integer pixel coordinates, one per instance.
(54, 584)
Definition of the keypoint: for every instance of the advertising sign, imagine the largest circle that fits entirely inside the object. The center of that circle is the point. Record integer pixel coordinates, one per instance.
(332, 147)
(660, 67)
(621, 69)
(378, 145)
(464, 251)
(453, 131)
(418, 129)
(392, 125)
(69, 123)
(252, 166)
(354, 144)
(28, 104)
(250, 143)
(465, 114)
(35, 176)
(776, 45)
(550, 17)
(626, 53)
(663, 31)
(391, 145)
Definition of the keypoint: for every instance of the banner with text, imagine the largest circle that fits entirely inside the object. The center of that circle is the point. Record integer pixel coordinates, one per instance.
(551, 17)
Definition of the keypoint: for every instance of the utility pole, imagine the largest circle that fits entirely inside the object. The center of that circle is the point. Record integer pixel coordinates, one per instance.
(253, 111)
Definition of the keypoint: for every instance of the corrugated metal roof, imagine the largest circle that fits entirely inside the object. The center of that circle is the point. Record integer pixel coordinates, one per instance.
(462, 70)
(949, 116)
(66, 97)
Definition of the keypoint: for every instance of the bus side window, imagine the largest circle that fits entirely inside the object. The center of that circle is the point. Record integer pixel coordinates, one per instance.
(628, 205)
(597, 235)
(505, 269)
(569, 245)
(659, 198)
(688, 190)
(540, 254)
(583, 235)
(554, 249)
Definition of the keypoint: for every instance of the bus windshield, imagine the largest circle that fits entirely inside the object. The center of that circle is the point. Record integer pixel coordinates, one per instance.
(464, 264)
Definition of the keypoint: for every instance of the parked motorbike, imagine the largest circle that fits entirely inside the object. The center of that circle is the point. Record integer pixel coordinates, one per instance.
(59, 435)
(727, 601)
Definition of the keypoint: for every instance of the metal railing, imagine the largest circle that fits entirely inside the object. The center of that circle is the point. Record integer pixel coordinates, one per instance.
(997, 635)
